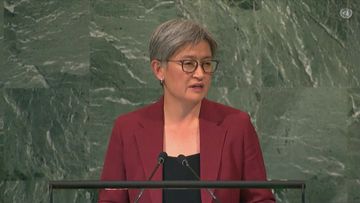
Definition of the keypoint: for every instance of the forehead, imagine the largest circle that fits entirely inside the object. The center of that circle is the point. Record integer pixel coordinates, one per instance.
(190, 50)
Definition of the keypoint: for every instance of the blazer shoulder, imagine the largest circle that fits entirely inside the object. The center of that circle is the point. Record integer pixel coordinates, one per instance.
(222, 112)
(138, 115)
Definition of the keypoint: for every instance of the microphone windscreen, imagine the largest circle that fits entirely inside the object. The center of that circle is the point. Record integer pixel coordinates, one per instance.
(182, 160)
(162, 157)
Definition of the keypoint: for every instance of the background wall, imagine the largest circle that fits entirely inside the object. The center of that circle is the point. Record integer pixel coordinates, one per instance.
(68, 68)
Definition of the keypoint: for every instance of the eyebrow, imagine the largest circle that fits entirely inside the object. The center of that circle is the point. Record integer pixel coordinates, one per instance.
(193, 57)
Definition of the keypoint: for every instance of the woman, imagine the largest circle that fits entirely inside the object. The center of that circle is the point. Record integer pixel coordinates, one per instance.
(219, 141)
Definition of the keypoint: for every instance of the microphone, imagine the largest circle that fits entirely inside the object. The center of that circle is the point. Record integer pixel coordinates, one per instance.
(182, 159)
(161, 159)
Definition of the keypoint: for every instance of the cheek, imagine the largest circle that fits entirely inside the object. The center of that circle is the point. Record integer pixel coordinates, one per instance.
(179, 80)
(208, 78)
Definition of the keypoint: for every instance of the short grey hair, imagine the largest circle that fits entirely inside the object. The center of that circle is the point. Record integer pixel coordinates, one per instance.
(173, 34)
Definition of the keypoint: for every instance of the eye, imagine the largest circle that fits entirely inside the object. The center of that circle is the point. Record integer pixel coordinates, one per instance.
(188, 63)
(207, 63)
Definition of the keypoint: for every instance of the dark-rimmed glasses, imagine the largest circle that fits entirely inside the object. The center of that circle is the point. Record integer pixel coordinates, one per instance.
(189, 66)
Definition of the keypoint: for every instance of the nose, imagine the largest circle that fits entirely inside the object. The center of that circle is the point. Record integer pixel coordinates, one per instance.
(199, 73)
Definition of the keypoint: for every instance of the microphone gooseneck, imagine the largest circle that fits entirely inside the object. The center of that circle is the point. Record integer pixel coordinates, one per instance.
(183, 161)
(161, 159)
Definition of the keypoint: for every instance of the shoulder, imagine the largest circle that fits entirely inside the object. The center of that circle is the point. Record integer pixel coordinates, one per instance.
(151, 111)
(220, 112)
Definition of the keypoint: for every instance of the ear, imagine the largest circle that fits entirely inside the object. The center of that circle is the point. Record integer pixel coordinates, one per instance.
(157, 69)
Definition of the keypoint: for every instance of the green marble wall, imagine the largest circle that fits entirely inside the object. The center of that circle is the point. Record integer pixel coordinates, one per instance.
(68, 68)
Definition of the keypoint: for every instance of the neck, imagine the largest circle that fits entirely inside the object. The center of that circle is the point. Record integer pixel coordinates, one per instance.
(176, 112)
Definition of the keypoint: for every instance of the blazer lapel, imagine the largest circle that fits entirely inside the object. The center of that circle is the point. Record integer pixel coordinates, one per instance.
(212, 137)
(149, 139)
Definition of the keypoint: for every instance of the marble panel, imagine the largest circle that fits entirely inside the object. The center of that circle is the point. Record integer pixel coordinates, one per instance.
(304, 137)
(353, 191)
(307, 45)
(44, 134)
(353, 49)
(46, 44)
(24, 191)
(37, 191)
(353, 142)
(2, 158)
(2, 67)
(119, 33)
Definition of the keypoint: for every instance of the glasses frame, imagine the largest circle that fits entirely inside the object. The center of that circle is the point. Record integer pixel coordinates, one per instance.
(201, 63)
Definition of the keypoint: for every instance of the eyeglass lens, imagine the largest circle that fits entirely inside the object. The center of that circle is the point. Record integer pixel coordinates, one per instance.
(191, 65)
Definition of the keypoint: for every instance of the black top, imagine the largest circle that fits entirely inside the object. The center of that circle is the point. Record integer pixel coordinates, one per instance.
(173, 170)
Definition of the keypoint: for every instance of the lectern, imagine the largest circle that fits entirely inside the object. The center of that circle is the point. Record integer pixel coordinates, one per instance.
(87, 184)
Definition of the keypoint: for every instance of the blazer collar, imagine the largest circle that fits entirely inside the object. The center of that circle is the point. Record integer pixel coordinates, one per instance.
(149, 139)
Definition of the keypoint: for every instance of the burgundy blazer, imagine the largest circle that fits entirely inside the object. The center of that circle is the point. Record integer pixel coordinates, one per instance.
(229, 150)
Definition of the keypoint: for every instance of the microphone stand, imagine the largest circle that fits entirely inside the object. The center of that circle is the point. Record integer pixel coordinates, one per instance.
(182, 159)
(161, 159)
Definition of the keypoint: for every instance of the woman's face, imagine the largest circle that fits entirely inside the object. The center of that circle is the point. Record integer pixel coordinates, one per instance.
(187, 87)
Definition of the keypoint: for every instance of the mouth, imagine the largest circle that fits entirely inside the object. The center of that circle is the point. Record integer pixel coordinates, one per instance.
(197, 86)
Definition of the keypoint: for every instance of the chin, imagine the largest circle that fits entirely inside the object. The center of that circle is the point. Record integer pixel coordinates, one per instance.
(195, 98)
